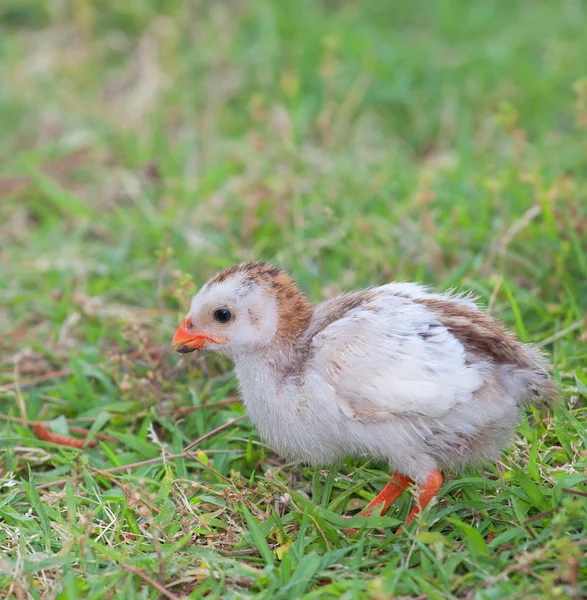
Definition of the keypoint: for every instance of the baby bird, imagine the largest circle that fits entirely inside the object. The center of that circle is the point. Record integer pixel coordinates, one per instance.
(423, 381)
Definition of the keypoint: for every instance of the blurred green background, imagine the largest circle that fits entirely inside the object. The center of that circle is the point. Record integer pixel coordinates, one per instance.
(144, 145)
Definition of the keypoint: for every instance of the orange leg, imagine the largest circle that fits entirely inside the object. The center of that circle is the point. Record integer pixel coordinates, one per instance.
(427, 492)
(389, 494)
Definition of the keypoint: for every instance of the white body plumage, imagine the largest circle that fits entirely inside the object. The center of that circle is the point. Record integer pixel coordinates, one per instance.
(420, 380)
(389, 381)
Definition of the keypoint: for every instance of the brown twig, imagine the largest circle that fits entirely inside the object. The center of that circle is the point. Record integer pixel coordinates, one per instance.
(150, 581)
(205, 437)
(99, 436)
(246, 582)
(152, 461)
(37, 380)
(523, 525)
(184, 410)
(214, 432)
(180, 411)
(539, 516)
(123, 487)
(142, 463)
(576, 492)
(48, 436)
(211, 469)
(62, 440)
(72, 428)
(496, 519)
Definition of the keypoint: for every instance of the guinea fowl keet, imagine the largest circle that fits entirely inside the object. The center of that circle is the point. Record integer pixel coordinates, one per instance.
(423, 381)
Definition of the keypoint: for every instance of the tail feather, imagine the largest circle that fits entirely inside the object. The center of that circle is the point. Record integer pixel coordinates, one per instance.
(532, 385)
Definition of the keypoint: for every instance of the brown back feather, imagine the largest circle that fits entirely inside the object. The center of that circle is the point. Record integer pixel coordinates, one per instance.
(479, 332)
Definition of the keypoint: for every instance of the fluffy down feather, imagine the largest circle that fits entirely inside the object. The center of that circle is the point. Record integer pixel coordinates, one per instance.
(423, 381)
(391, 356)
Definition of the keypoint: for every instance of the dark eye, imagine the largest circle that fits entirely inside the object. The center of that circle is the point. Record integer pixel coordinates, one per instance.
(222, 315)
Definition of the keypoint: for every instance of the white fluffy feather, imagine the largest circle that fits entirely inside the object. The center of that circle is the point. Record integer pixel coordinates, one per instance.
(386, 380)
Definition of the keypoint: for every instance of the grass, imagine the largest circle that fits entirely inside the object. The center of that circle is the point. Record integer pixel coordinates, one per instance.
(144, 146)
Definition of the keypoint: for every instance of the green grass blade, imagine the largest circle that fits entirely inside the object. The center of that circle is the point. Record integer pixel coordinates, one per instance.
(258, 536)
(38, 508)
(473, 539)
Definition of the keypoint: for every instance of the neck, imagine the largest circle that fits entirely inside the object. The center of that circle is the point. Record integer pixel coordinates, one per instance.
(294, 317)
(295, 310)
(282, 359)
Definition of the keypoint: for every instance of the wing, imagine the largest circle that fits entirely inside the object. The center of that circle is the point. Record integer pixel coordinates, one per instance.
(393, 356)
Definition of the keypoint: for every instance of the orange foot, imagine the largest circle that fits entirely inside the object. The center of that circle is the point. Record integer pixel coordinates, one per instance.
(393, 490)
(426, 493)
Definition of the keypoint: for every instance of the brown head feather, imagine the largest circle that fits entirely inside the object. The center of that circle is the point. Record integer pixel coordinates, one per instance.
(294, 307)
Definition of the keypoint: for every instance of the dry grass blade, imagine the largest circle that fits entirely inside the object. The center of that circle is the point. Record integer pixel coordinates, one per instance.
(152, 351)
(135, 465)
(213, 432)
(155, 584)
(57, 168)
(152, 461)
(175, 412)
(559, 334)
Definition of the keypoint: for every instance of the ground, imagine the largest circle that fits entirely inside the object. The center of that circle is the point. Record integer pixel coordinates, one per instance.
(147, 144)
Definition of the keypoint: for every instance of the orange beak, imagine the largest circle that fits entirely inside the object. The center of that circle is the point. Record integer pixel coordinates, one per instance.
(187, 340)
